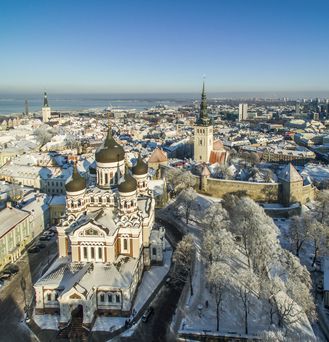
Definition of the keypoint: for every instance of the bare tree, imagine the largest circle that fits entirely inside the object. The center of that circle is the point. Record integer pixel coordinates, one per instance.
(247, 288)
(298, 233)
(317, 235)
(185, 201)
(183, 258)
(179, 179)
(218, 278)
(42, 135)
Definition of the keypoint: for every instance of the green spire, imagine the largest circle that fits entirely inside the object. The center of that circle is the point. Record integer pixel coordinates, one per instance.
(203, 106)
(45, 100)
(203, 117)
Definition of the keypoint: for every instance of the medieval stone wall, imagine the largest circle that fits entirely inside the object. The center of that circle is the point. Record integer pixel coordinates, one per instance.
(260, 192)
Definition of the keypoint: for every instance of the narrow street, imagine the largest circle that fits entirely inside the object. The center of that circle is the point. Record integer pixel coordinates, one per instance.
(164, 304)
(13, 297)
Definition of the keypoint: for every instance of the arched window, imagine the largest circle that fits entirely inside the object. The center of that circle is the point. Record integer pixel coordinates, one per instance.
(100, 252)
(48, 297)
(154, 251)
(106, 178)
(109, 298)
(102, 298)
(125, 244)
(92, 199)
(117, 298)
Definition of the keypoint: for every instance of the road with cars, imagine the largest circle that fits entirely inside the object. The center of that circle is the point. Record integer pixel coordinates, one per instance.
(164, 304)
(17, 292)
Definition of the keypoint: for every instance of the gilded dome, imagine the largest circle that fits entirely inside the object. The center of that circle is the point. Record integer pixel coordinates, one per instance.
(111, 151)
(77, 182)
(129, 184)
(140, 168)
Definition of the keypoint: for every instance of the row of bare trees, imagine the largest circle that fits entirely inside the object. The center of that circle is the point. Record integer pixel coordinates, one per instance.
(238, 227)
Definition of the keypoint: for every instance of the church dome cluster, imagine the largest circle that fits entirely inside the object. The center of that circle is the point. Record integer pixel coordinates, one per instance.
(111, 151)
(77, 182)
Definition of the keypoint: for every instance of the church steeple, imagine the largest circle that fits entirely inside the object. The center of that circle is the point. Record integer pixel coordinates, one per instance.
(203, 117)
(45, 100)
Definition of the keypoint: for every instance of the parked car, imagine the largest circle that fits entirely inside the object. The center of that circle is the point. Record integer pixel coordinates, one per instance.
(34, 249)
(11, 269)
(168, 282)
(147, 314)
(44, 238)
(41, 245)
(319, 287)
(5, 276)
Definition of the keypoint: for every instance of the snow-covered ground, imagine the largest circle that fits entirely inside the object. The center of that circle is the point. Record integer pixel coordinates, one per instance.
(49, 322)
(197, 316)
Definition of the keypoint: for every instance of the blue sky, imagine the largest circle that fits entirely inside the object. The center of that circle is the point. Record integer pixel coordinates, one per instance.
(164, 46)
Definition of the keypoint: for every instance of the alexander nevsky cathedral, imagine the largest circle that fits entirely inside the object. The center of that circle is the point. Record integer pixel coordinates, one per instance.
(105, 241)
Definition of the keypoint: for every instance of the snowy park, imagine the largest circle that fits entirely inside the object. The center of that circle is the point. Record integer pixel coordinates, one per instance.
(246, 275)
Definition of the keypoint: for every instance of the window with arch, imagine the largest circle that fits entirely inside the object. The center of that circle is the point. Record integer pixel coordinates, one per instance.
(92, 199)
(125, 244)
(117, 298)
(106, 178)
(48, 297)
(110, 299)
(102, 298)
(100, 252)
(154, 251)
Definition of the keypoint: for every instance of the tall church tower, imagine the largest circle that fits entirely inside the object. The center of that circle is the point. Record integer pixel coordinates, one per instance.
(46, 111)
(203, 133)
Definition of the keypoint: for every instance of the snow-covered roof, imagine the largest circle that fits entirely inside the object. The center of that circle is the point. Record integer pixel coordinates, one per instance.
(10, 217)
(158, 156)
(290, 174)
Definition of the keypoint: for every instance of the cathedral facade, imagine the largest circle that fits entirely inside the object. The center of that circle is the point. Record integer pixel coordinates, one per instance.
(105, 241)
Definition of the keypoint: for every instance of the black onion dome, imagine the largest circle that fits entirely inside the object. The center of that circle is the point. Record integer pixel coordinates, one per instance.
(140, 168)
(129, 184)
(111, 151)
(77, 182)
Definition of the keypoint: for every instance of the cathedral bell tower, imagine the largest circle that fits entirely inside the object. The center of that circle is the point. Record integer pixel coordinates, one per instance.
(46, 111)
(203, 132)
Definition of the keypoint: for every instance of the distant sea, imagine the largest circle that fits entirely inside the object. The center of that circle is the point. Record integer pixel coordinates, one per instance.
(10, 104)
(15, 103)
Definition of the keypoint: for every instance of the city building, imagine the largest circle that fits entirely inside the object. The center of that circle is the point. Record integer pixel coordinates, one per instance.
(15, 234)
(243, 111)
